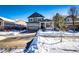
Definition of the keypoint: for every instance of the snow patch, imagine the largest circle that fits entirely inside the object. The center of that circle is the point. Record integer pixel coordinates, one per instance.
(8, 33)
(43, 44)
(56, 33)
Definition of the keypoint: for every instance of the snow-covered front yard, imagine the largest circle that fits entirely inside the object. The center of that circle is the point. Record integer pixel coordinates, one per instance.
(57, 33)
(54, 42)
(50, 42)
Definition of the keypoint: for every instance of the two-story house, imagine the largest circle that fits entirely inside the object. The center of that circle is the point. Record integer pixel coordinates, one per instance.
(37, 21)
(69, 23)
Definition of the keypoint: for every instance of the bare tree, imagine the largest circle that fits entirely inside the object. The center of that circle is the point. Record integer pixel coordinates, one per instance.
(73, 12)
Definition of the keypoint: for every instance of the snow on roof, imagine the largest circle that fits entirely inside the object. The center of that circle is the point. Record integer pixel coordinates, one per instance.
(6, 19)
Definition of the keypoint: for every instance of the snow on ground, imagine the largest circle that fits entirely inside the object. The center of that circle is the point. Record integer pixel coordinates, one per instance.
(57, 33)
(8, 33)
(4, 35)
(42, 44)
(17, 50)
(50, 42)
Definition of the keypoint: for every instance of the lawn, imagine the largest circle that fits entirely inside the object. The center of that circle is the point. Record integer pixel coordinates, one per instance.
(15, 42)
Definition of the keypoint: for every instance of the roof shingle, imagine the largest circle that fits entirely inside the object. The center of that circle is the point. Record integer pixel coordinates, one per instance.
(35, 15)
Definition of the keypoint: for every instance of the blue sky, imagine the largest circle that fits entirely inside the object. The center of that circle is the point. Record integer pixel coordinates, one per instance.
(21, 12)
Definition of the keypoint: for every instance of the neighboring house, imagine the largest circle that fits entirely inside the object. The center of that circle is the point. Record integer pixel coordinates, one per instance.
(6, 23)
(69, 23)
(1, 24)
(21, 24)
(37, 21)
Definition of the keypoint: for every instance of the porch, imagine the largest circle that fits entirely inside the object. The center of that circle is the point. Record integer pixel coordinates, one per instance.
(45, 25)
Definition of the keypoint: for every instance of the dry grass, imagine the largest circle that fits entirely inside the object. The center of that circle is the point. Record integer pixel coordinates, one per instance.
(15, 42)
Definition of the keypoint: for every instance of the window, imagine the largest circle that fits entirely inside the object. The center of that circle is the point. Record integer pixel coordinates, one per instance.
(30, 20)
(35, 19)
(68, 20)
(48, 24)
(39, 19)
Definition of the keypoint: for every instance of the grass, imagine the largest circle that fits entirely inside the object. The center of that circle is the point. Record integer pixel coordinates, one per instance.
(15, 42)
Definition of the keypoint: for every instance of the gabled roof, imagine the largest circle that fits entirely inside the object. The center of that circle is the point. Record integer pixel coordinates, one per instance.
(69, 17)
(47, 20)
(20, 20)
(1, 19)
(6, 19)
(35, 15)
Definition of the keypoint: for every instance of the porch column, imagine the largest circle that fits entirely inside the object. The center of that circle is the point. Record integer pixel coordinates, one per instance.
(39, 24)
(45, 24)
(52, 24)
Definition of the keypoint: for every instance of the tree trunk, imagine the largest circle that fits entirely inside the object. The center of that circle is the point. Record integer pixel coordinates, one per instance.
(73, 19)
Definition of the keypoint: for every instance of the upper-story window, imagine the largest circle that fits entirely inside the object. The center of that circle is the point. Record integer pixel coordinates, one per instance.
(30, 20)
(39, 19)
(35, 19)
(68, 20)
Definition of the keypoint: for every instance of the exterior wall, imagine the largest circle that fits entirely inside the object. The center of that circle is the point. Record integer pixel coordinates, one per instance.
(1, 24)
(36, 19)
(36, 26)
(6, 23)
(47, 25)
(33, 26)
(68, 20)
(21, 24)
(69, 23)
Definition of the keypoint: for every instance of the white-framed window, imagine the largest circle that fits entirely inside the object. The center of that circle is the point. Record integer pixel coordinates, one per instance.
(68, 20)
(30, 20)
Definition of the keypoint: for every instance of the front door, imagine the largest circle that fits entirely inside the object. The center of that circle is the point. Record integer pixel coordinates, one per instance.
(42, 26)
